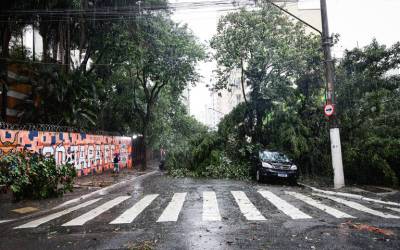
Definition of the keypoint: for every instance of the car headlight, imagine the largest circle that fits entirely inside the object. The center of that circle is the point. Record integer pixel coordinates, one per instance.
(266, 165)
(293, 167)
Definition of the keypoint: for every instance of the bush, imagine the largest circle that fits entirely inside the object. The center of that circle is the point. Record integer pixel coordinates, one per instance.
(206, 157)
(30, 175)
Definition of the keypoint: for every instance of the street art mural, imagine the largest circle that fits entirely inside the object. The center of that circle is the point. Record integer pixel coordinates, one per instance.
(88, 153)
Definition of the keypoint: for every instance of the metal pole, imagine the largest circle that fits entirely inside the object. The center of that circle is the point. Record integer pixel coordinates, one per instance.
(33, 42)
(336, 150)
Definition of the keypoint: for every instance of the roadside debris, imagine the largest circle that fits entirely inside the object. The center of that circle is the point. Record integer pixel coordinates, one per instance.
(368, 228)
(25, 210)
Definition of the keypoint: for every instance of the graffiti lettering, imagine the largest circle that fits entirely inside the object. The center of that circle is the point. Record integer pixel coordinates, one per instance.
(88, 153)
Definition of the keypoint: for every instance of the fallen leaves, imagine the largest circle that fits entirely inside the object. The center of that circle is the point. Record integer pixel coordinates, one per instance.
(368, 228)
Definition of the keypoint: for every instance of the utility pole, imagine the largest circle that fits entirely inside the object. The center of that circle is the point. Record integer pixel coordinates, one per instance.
(33, 42)
(336, 150)
(327, 42)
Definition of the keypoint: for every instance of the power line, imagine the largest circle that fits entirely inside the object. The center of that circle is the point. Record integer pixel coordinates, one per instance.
(118, 10)
(129, 10)
(123, 14)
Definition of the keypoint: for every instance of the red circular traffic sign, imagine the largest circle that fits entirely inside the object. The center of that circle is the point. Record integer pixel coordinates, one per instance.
(329, 109)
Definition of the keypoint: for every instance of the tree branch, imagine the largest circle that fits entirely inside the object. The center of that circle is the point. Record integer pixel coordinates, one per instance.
(97, 60)
(85, 59)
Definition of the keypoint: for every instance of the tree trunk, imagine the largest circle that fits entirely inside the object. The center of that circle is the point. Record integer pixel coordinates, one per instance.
(144, 151)
(144, 148)
(44, 32)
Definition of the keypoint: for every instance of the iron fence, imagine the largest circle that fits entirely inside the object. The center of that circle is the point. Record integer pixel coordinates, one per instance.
(54, 128)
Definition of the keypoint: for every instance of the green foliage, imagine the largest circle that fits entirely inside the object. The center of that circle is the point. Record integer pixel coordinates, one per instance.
(283, 66)
(368, 96)
(205, 157)
(30, 175)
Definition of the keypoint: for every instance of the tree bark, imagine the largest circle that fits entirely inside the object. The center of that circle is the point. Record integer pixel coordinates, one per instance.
(43, 31)
(144, 151)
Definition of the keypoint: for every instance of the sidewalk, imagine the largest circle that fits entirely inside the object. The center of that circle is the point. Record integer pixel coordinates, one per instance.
(83, 185)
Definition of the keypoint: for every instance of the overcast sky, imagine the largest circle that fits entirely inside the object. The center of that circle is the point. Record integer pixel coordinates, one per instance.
(357, 22)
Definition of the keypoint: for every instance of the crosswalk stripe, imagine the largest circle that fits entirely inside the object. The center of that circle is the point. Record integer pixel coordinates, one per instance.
(354, 196)
(129, 215)
(284, 206)
(210, 207)
(171, 212)
(246, 207)
(4, 221)
(79, 221)
(358, 206)
(38, 222)
(394, 209)
(332, 211)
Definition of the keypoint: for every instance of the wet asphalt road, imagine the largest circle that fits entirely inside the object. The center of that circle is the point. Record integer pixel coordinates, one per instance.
(190, 231)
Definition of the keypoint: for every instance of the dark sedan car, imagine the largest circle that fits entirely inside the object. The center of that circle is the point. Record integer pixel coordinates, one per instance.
(275, 165)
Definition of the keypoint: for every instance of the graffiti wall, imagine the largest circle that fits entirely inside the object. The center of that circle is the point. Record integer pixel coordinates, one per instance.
(88, 153)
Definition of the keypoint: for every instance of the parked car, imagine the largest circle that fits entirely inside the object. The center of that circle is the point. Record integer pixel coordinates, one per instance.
(275, 165)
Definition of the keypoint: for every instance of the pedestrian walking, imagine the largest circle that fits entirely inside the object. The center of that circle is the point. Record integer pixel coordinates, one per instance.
(162, 158)
(116, 163)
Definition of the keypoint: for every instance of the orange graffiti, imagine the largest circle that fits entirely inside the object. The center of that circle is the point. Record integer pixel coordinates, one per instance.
(88, 153)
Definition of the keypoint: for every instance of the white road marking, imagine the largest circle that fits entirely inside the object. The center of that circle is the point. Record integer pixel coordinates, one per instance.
(354, 196)
(358, 206)
(79, 221)
(38, 222)
(246, 207)
(171, 212)
(129, 215)
(105, 190)
(332, 211)
(4, 221)
(210, 207)
(394, 209)
(284, 206)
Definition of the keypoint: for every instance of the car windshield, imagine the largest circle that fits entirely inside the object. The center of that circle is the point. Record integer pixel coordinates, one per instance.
(273, 156)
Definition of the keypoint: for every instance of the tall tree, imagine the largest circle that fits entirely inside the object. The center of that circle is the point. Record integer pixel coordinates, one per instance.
(368, 103)
(271, 51)
(160, 55)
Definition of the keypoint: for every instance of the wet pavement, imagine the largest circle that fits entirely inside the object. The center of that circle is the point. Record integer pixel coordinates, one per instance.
(82, 186)
(160, 212)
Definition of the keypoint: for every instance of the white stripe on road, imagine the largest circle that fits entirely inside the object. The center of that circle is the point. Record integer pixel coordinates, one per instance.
(354, 196)
(105, 190)
(210, 207)
(246, 207)
(171, 212)
(285, 207)
(358, 206)
(50, 217)
(129, 215)
(332, 211)
(79, 221)
(4, 221)
(394, 209)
